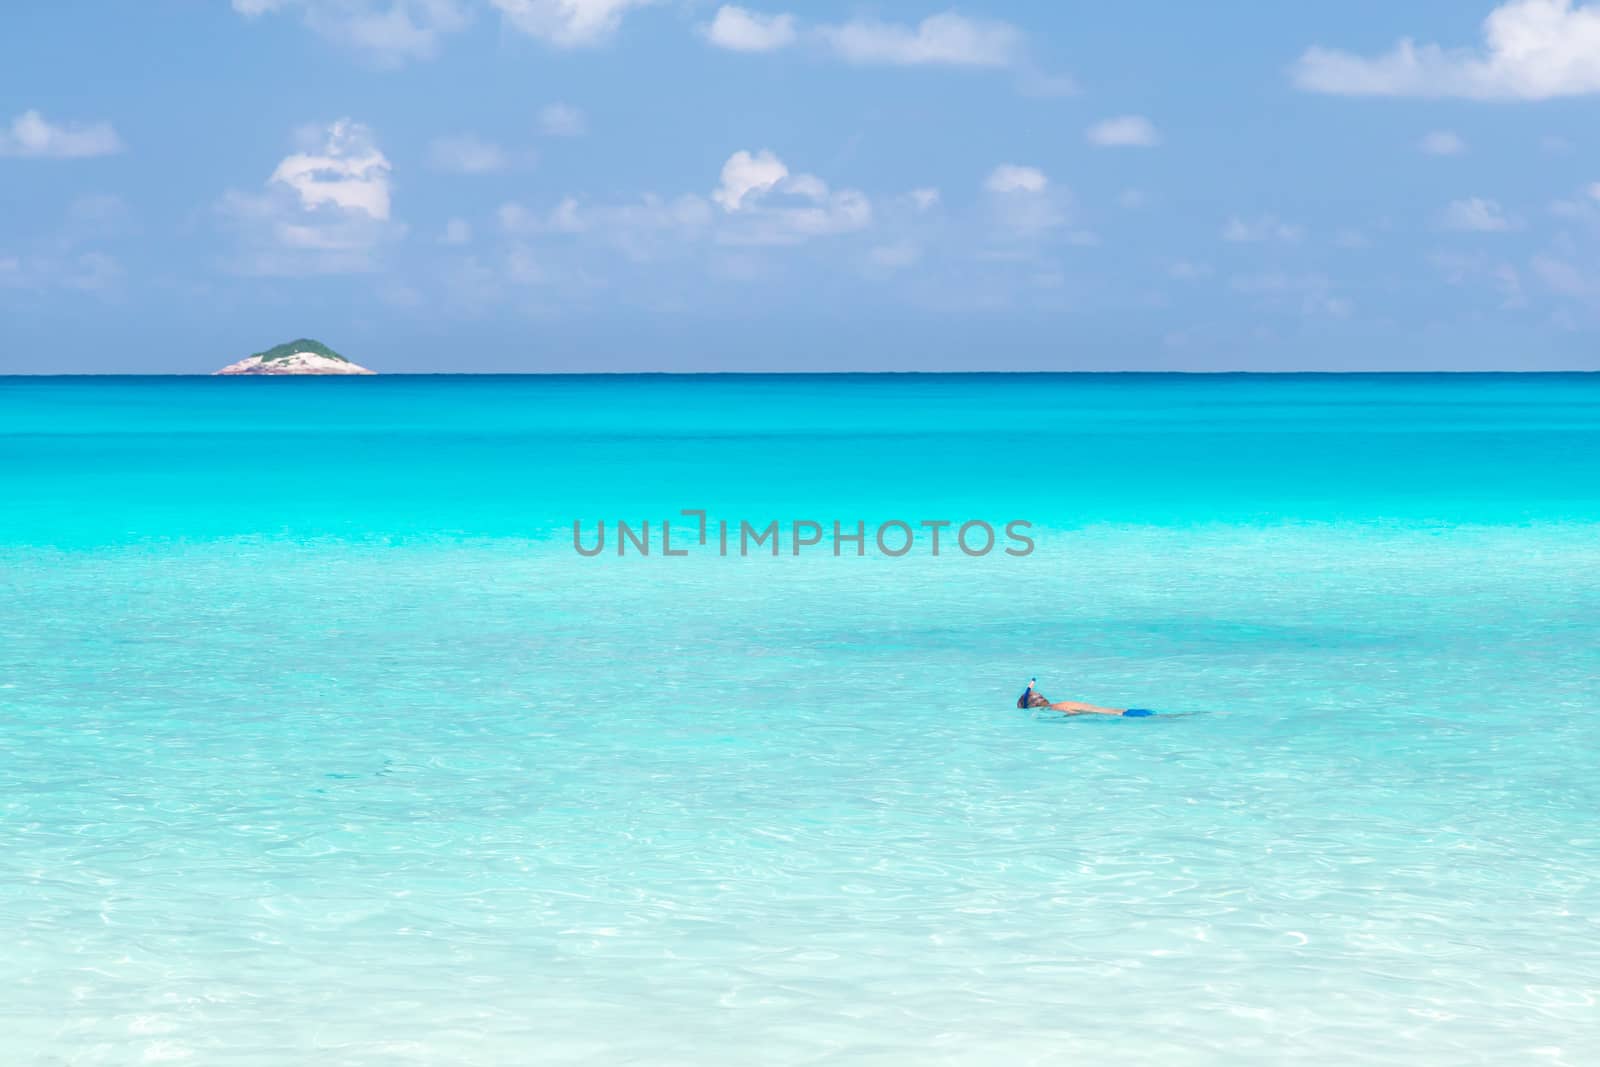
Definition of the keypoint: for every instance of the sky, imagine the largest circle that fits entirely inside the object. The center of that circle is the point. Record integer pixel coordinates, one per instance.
(678, 185)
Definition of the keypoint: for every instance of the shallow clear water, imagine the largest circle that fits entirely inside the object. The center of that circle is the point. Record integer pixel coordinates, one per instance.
(319, 743)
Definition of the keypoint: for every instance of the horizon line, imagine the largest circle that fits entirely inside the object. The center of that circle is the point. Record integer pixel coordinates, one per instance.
(801, 374)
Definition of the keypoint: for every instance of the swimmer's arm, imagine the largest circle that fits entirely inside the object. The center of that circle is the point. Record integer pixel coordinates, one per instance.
(1074, 707)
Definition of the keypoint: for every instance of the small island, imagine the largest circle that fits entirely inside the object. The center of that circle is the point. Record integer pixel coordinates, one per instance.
(304, 356)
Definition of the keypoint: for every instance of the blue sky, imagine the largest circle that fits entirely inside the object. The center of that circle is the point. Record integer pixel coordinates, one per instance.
(531, 185)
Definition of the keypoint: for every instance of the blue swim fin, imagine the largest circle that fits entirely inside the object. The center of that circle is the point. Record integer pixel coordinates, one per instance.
(1137, 713)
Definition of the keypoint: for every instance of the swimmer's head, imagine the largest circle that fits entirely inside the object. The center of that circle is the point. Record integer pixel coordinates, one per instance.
(1030, 697)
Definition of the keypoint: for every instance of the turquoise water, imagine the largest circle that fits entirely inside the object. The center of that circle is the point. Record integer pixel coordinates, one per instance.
(319, 743)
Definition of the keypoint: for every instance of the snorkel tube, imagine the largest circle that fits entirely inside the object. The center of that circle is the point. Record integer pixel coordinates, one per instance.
(1023, 701)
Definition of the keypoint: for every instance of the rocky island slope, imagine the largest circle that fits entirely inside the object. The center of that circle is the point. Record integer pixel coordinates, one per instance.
(304, 356)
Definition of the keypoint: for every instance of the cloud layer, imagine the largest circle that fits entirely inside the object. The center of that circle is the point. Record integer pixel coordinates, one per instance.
(567, 23)
(325, 209)
(1476, 215)
(389, 31)
(765, 204)
(1124, 131)
(392, 32)
(31, 135)
(1532, 50)
(946, 39)
(739, 30)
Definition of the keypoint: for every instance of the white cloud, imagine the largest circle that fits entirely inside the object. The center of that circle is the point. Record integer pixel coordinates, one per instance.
(1023, 203)
(345, 170)
(1442, 143)
(766, 205)
(1476, 215)
(946, 39)
(456, 232)
(31, 135)
(924, 199)
(326, 208)
(739, 30)
(466, 154)
(1124, 131)
(561, 120)
(388, 31)
(1263, 228)
(807, 185)
(746, 175)
(1010, 178)
(758, 202)
(841, 212)
(567, 23)
(1532, 50)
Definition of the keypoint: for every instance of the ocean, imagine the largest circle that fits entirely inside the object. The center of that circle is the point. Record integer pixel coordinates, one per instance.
(322, 742)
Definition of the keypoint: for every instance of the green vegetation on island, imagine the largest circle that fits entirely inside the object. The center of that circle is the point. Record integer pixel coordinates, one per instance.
(305, 344)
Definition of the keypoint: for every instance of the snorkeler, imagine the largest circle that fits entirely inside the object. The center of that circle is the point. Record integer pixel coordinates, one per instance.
(1032, 698)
